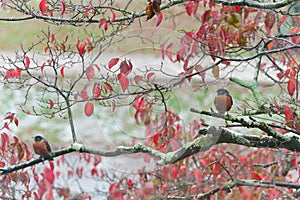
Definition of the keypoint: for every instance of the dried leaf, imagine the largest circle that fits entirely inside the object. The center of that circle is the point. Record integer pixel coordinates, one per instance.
(149, 11)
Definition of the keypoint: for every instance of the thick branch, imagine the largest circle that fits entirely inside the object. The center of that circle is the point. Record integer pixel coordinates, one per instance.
(255, 4)
(211, 137)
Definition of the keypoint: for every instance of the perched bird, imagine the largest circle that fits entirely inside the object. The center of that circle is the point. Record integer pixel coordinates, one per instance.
(41, 147)
(223, 101)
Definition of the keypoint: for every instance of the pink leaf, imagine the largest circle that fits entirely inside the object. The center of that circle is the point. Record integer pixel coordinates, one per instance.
(27, 62)
(97, 160)
(107, 87)
(96, 90)
(159, 19)
(48, 175)
(174, 173)
(137, 78)
(113, 16)
(124, 81)
(90, 72)
(149, 75)
(89, 108)
(84, 94)
(113, 62)
(169, 52)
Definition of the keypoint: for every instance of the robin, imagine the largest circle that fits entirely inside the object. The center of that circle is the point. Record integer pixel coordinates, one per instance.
(223, 101)
(41, 147)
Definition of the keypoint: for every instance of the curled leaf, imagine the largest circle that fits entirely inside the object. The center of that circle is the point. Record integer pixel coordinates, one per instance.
(51, 103)
(62, 71)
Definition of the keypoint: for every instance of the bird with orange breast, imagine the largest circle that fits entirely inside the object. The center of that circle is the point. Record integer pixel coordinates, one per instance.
(41, 147)
(223, 101)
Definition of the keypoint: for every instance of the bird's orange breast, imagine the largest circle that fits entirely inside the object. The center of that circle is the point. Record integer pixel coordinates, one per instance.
(40, 148)
(223, 103)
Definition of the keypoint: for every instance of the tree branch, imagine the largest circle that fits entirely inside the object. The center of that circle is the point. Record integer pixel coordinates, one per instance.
(255, 4)
(211, 137)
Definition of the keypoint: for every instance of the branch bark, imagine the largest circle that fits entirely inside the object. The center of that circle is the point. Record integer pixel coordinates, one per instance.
(211, 136)
(255, 4)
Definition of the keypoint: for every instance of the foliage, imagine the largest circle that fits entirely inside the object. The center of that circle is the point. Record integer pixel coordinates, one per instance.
(241, 42)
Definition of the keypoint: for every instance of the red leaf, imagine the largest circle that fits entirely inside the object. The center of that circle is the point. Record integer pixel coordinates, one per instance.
(113, 62)
(43, 6)
(16, 121)
(174, 173)
(183, 170)
(4, 141)
(198, 176)
(159, 19)
(113, 16)
(206, 16)
(62, 71)
(48, 175)
(90, 72)
(89, 108)
(255, 176)
(51, 103)
(156, 137)
(94, 172)
(27, 62)
(294, 161)
(149, 75)
(97, 160)
(80, 48)
(102, 22)
(79, 172)
(273, 194)
(125, 67)
(84, 94)
(130, 184)
(2, 164)
(169, 52)
(63, 7)
(189, 8)
(107, 87)
(291, 86)
(96, 90)
(86, 13)
(270, 19)
(238, 9)
(295, 30)
(124, 81)
(287, 111)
